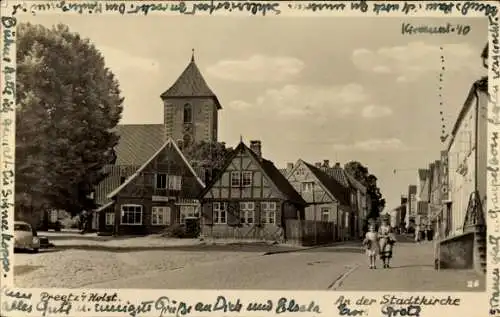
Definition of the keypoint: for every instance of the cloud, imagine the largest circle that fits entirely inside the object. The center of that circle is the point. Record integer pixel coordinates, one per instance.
(371, 145)
(239, 105)
(257, 68)
(417, 58)
(119, 60)
(372, 111)
(293, 100)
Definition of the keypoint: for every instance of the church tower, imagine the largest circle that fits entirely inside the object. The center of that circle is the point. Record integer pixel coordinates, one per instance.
(191, 108)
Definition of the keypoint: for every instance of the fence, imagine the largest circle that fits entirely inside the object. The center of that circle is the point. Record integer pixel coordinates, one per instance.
(310, 232)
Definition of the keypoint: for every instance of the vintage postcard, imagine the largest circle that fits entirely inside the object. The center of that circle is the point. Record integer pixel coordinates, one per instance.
(238, 158)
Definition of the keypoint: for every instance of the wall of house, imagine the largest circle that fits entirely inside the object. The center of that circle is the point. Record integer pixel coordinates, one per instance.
(482, 147)
(235, 229)
(461, 159)
(146, 227)
(204, 123)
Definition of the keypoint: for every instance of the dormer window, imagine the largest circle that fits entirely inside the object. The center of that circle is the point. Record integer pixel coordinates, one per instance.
(188, 113)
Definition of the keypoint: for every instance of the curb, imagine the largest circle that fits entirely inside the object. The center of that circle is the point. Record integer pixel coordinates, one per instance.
(334, 244)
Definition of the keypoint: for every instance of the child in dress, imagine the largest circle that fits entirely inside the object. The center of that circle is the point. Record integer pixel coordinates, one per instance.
(371, 245)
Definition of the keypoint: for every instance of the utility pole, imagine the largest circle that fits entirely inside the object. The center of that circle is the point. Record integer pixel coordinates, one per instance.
(315, 216)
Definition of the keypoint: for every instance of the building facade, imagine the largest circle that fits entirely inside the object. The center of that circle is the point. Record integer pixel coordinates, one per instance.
(327, 200)
(160, 193)
(250, 199)
(466, 161)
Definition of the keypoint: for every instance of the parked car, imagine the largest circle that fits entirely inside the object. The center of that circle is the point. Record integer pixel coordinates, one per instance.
(25, 237)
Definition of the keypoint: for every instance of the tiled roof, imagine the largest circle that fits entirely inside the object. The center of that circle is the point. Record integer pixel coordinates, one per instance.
(170, 143)
(331, 183)
(190, 84)
(138, 142)
(337, 173)
(355, 183)
(281, 182)
(112, 181)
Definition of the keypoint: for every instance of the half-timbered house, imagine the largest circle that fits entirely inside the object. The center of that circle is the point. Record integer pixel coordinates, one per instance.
(161, 192)
(327, 199)
(249, 199)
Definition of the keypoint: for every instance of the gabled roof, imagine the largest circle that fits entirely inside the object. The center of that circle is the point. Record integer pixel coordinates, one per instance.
(138, 142)
(335, 189)
(190, 84)
(338, 174)
(169, 142)
(269, 170)
(423, 173)
(355, 183)
(480, 85)
(112, 181)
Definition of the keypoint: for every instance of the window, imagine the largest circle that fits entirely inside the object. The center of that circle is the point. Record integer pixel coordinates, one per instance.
(220, 213)
(247, 179)
(161, 181)
(247, 212)
(235, 179)
(188, 211)
(269, 212)
(188, 113)
(164, 181)
(110, 218)
(174, 182)
(122, 180)
(325, 214)
(307, 187)
(131, 215)
(160, 215)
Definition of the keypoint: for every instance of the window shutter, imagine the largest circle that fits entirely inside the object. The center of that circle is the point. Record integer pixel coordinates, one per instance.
(257, 211)
(233, 213)
(208, 213)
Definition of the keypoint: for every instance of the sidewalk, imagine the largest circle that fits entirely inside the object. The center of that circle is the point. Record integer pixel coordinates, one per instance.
(412, 268)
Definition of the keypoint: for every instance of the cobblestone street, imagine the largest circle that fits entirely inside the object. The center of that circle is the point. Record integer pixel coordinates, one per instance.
(341, 267)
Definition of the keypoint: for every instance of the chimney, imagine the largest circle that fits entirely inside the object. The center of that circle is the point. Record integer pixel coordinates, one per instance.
(256, 147)
(326, 163)
(318, 164)
(289, 167)
(337, 165)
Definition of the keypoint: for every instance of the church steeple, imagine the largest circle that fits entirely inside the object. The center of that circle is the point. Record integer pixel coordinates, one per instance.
(191, 84)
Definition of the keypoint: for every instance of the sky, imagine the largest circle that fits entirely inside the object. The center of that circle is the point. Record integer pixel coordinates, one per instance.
(309, 88)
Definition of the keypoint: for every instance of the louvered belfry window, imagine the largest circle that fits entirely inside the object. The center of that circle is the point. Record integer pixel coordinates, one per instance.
(188, 113)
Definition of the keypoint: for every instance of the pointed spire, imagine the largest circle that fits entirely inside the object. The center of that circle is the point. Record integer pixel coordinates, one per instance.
(192, 55)
(241, 138)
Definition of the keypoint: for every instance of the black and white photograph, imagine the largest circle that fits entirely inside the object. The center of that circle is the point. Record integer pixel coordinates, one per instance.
(251, 153)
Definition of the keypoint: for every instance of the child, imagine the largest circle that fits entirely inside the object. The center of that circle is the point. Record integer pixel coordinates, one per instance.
(371, 245)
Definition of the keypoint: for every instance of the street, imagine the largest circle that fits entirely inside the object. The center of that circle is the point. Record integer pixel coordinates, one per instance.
(341, 267)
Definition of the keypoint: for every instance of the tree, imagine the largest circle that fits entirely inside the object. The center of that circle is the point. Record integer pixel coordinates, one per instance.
(67, 104)
(361, 174)
(208, 155)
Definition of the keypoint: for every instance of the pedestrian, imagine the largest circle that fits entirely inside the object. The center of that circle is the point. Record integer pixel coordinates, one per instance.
(387, 240)
(371, 245)
(417, 233)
